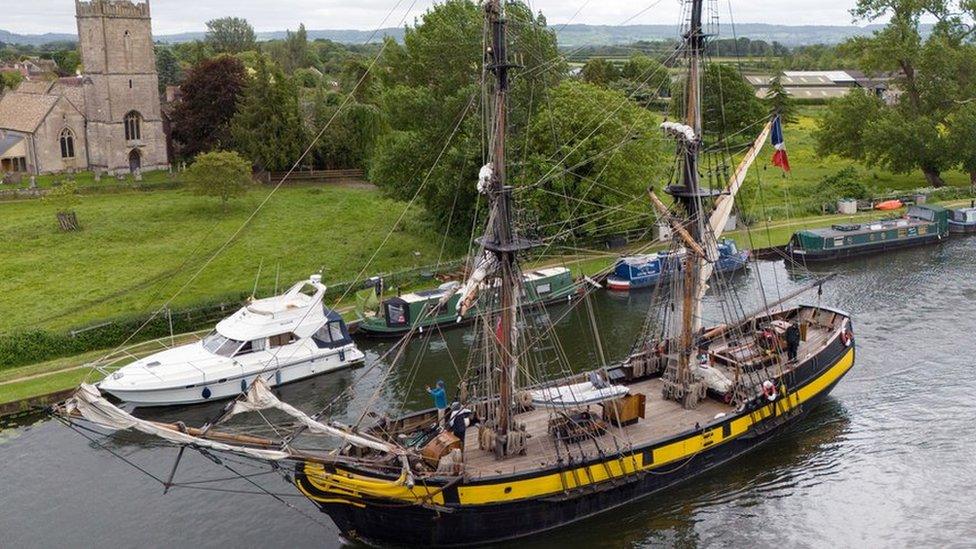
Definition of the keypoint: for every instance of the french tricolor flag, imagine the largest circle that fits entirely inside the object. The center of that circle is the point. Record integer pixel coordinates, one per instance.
(779, 157)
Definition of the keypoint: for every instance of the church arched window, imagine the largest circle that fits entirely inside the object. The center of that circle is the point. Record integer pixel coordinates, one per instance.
(67, 143)
(133, 126)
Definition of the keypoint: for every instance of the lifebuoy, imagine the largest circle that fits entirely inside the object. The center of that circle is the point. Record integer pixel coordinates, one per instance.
(847, 338)
(769, 390)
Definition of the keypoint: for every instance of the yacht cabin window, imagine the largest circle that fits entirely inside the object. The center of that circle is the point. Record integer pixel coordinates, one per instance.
(330, 335)
(281, 340)
(252, 347)
(220, 345)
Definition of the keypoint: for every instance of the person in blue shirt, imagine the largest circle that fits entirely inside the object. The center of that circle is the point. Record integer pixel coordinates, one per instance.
(440, 400)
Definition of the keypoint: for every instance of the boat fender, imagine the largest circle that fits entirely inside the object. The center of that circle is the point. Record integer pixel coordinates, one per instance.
(342, 355)
(769, 390)
(206, 392)
(277, 377)
(847, 337)
(243, 385)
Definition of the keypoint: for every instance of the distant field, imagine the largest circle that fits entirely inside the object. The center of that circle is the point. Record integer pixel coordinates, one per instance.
(137, 249)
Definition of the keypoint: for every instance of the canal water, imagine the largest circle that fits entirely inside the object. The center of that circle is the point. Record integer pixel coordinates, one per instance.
(887, 461)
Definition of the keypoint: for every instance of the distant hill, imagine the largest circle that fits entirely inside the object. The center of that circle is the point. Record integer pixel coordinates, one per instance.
(569, 35)
(35, 39)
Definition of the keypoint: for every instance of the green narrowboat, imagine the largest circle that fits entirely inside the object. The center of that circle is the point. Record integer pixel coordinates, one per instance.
(923, 224)
(398, 315)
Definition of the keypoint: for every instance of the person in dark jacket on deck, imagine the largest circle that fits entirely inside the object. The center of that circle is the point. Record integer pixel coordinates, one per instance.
(792, 341)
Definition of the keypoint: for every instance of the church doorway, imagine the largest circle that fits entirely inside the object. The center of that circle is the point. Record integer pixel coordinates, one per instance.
(135, 161)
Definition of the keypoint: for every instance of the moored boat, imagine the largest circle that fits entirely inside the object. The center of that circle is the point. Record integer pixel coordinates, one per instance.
(280, 339)
(428, 309)
(647, 270)
(922, 224)
(962, 220)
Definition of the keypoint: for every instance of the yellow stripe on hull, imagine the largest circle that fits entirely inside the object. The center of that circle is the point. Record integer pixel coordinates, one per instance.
(344, 484)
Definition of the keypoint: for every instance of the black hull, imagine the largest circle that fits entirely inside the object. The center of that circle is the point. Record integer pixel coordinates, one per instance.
(420, 526)
(839, 254)
(387, 522)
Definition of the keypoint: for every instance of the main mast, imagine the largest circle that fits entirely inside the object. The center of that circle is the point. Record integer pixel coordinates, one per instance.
(500, 239)
(680, 385)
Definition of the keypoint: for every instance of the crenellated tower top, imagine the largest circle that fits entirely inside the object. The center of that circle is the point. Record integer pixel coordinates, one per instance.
(112, 8)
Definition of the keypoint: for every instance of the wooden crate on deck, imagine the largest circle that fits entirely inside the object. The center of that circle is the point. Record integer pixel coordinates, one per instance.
(626, 410)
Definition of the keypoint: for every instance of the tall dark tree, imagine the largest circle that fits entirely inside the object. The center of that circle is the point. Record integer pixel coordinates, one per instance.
(230, 35)
(729, 102)
(600, 72)
(268, 128)
(168, 68)
(780, 102)
(211, 91)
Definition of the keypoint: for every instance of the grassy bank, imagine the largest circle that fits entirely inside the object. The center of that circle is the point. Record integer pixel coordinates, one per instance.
(769, 193)
(136, 250)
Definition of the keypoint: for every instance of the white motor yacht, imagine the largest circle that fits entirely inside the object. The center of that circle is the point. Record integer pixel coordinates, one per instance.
(282, 339)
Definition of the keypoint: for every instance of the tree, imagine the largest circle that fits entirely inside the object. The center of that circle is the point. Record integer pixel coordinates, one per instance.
(931, 73)
(11, 79)
(601, 72)
(350, 136)
(729, 102)
(67, 60)
(296, 50)
(841, 129)
(429, 89)
(211, 92)
(221, 174)
(962, 138)
(779, 101)
(268, 127)
(584, 171)
(168, 68)
(230, 35)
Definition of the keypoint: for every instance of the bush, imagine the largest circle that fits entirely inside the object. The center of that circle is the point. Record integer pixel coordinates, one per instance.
(846, 183)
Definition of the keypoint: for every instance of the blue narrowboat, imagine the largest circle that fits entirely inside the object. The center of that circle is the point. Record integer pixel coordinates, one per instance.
(642, 271)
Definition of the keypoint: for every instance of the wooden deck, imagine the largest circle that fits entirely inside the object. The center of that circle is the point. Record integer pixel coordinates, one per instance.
(663, 419)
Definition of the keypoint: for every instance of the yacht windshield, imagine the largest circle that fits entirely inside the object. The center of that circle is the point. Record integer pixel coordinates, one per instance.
(220, 345)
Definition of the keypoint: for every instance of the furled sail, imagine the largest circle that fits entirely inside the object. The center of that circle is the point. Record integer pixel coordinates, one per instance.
(91, 405)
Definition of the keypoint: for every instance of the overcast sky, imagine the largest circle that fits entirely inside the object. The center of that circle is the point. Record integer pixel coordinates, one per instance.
(174, 16)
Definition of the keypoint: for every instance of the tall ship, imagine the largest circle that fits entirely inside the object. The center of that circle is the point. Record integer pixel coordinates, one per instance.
(533, 442)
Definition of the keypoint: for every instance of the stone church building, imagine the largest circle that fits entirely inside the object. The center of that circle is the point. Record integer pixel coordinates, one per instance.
(108, 118)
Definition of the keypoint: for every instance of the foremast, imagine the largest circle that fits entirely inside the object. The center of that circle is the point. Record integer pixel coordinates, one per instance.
(698, 234)
(679, 384)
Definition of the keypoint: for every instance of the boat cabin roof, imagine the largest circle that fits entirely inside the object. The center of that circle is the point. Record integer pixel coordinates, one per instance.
(279, 314)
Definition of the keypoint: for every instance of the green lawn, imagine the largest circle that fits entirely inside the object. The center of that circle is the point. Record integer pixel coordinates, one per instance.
(136, 250)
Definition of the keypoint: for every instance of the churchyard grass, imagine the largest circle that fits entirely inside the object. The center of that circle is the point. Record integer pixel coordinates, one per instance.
(137, 250)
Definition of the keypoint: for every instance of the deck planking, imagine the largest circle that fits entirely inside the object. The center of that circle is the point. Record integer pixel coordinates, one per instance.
(662, 419)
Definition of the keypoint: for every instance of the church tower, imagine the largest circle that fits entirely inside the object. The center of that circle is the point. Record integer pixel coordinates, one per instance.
(125, 126)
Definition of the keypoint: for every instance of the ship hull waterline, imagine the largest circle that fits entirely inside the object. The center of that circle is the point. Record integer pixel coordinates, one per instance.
(454, 517)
